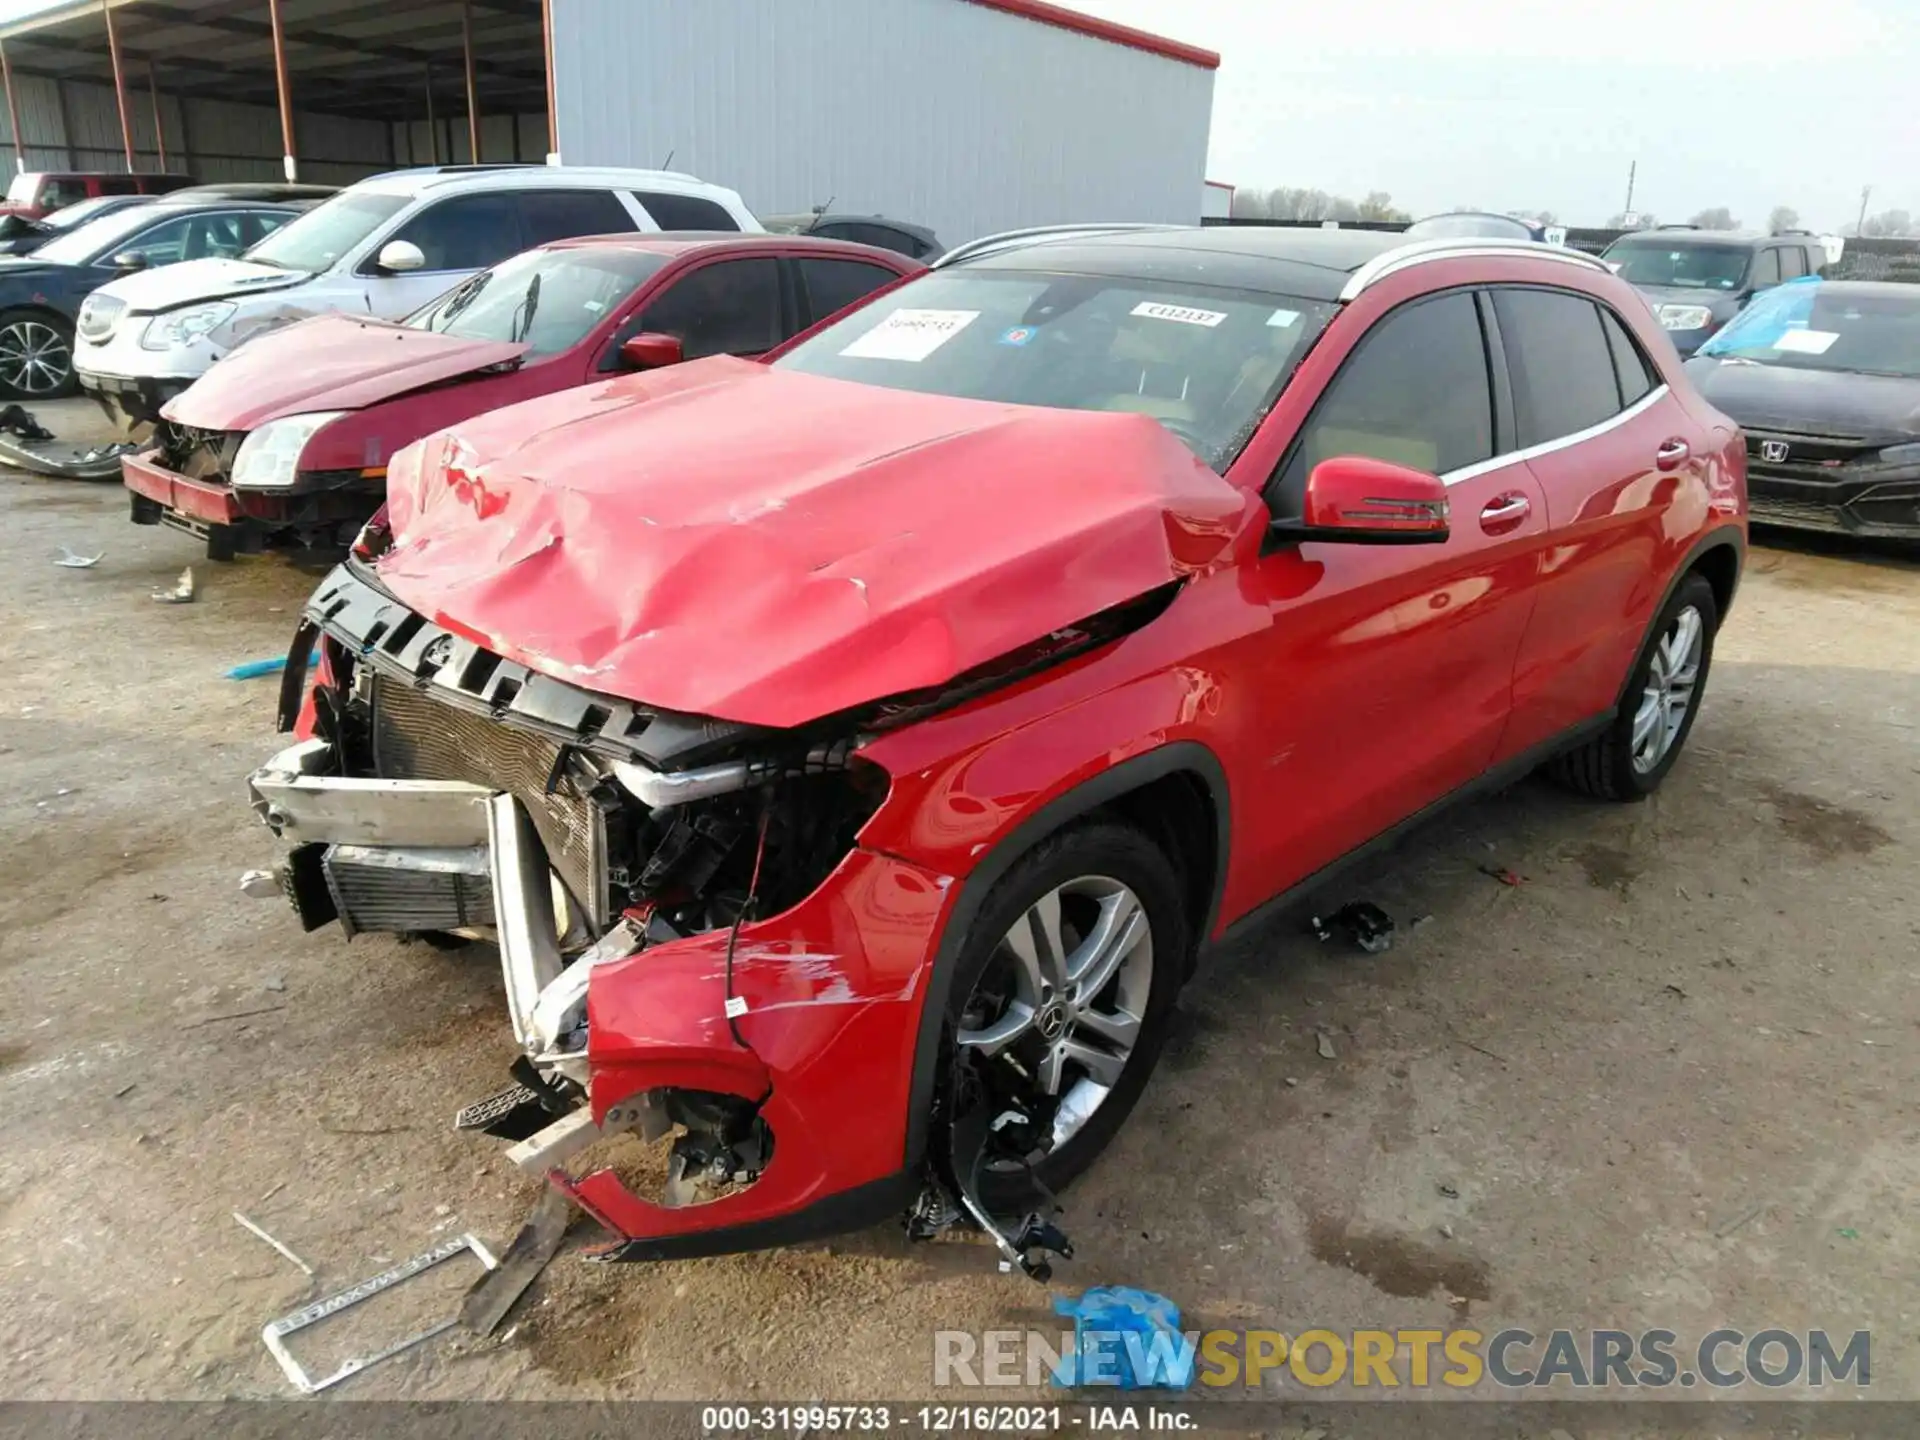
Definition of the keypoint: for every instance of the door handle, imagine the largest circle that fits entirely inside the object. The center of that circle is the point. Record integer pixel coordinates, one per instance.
(1672, 454)
(1505, 512)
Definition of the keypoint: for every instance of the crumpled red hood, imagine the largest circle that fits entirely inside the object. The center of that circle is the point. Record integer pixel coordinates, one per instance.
(329, 362)
(726, 539)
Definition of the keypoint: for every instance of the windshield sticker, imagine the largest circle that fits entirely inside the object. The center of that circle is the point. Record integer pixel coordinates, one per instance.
(1280, 319)
(1018, 335)
(1807, 342)
(1184, 314)
(910, 335)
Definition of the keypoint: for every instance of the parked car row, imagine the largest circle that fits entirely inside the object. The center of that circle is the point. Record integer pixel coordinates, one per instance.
(851, 748)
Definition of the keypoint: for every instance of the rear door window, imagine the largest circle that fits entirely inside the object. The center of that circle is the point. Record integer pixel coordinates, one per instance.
(1766, 269)
(62, 190)
(1415, 392)
(829, 286)
(729, 307)
(685, 212)
(466, 232)
(1561, 365)
(562, 214)
(1793, 262)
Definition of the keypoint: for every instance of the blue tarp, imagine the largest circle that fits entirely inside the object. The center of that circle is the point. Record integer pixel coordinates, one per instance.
(1768, 316)
(1124, 1338)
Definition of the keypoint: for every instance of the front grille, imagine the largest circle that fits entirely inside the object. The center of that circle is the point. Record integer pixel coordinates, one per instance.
(384, 891)
(199, 454)
(98, 315)
(1807, 457)
(416, 737)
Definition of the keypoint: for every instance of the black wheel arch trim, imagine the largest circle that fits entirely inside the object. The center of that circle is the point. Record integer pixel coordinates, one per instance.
(1724, 537)
(1176, 757)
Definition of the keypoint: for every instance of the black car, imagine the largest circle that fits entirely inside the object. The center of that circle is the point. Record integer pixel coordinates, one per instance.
(1824, 377)
(40, 294)
(916, 242)
(1698, 280)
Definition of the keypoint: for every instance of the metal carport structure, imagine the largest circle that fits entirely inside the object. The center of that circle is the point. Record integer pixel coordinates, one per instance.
(397, 64)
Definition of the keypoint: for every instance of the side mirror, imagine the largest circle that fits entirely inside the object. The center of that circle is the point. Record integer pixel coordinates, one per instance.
(127, 261)
(650, 350)
(1356, 500)
(397, 257)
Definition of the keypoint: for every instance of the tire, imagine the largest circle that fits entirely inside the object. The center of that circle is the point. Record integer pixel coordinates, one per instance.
(1096, 856)
(1613, 765)
(36, 356)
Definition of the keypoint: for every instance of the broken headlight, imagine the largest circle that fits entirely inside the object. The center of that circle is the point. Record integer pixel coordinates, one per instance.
(269, 458)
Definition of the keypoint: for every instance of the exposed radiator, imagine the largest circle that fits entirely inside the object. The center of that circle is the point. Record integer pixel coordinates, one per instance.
(384, 889)
(416, 737)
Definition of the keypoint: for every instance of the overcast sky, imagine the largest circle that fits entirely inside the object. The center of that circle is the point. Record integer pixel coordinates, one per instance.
(1519, 104)
(1542, 104)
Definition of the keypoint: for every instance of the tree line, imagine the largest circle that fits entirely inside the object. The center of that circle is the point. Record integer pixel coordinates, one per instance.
(1302, 203)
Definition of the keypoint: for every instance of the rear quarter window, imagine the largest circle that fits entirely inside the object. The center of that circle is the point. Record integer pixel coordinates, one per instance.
(685, 212)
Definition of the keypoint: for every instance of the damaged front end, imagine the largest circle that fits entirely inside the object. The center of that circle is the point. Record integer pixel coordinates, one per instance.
(692, 941)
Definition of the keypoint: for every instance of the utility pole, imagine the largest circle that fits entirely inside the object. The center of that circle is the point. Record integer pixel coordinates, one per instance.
(1861, 224)
(1632, 167)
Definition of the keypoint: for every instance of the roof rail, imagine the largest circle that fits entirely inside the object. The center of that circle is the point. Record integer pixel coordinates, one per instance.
(1418, 252)
(1013, 239)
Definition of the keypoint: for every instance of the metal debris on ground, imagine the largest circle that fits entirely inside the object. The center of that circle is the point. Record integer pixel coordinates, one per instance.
(1503, 875)
(1323, 1044)
(1361, 921)
(275, 1332)
(1451, 1192)
(1737, 1221)
(182, 591)
(273, 1242)
(69, 560)
(19, 422)
(495, 1293)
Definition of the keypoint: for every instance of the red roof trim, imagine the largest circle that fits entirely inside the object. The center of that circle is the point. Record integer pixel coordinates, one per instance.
(1099, 29)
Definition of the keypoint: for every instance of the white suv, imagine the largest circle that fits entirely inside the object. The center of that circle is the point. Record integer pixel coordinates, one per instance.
(384, 247)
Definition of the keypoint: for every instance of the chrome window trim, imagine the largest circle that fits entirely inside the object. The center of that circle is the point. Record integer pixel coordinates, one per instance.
(1547, 447)
(1418, 252)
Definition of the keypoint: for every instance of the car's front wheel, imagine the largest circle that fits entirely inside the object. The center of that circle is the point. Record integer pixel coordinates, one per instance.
(36, 356)
(1062, 997)
(1629, 759)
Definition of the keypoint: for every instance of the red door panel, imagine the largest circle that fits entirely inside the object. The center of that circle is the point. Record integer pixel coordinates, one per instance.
(1393, 672)
(1618, 507)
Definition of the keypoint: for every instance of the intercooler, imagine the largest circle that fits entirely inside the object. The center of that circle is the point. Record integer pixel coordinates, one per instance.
(386, 889)
(417, 737)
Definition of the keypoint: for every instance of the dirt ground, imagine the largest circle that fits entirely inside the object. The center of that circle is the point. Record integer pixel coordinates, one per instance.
(1670, 1080)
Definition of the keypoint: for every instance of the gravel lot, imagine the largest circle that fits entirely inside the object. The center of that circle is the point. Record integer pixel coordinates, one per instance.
(1668, 1081)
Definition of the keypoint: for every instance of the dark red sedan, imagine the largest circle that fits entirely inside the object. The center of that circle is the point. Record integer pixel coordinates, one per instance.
(852, 752)
(284, 444)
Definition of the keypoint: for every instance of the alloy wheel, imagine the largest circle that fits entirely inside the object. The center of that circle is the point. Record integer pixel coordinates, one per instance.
(1672, 675)
(1062, 998)
(35, 358)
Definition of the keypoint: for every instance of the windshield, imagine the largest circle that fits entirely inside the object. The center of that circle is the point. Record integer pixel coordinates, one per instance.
(320, 237)
(1806, 325)
(82, 211)
(548, 298)
(1690, 267)
(1448, 227)
(1205, 362)
(96, 239)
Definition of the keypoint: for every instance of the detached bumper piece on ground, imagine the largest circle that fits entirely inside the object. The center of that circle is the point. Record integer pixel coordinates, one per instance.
(28, 445)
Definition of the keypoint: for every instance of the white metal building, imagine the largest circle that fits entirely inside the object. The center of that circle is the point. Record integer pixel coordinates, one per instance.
(969, 116)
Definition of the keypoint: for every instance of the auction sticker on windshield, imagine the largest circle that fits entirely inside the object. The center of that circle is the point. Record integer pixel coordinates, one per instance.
(910, 334)
(1185, 314)
(1807, 342)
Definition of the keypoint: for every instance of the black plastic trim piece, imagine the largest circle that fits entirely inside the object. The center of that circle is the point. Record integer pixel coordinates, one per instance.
(873, 1203)
(1187, 756)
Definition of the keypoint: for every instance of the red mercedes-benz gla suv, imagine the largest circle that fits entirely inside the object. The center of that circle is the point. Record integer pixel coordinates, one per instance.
(851, 751)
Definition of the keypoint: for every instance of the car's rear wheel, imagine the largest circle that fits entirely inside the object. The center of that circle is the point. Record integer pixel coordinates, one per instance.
(1061, 1001)
(36, 356)
(1629, 759)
